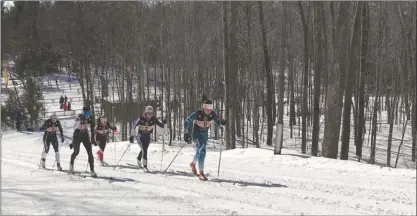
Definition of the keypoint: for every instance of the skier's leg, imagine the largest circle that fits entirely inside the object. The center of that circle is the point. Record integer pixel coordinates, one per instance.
(145, 140)
(202, 141)
(102, 145)
(138, 139)
(56, 149)
(89, 149)
(196, 156)
(76, 142)
(46, 145)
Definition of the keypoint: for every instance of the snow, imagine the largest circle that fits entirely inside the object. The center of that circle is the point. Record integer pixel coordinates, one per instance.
(251, 181)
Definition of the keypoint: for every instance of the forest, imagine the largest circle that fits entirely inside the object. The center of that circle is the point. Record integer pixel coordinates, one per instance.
(330, 68)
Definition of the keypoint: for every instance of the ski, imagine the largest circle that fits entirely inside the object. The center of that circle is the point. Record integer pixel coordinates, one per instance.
(76, 173)
(102, 163)
(133, 165)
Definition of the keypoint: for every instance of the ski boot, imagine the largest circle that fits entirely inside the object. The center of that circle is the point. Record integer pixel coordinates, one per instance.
(71, 169)
(43, 163)
(93, 174)
(193, 169)
(139, 163)
(202, 177)
(145, 169)
(58, 167)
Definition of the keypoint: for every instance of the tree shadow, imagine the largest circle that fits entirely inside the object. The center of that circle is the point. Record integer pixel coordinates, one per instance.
(51, 89)
(123, 167)
(217, 180)
(298, 155)
(245, 184)
(176, 173)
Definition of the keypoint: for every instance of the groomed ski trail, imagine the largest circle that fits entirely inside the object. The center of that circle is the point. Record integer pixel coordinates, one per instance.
(252, 181)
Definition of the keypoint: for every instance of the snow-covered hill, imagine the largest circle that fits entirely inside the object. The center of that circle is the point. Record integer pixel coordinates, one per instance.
(251, 181)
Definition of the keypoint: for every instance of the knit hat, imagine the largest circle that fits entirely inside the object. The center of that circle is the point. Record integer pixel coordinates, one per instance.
(207, 104)
(148, 109)
(53, 116)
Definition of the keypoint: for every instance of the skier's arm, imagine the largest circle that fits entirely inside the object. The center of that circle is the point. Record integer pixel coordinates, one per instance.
(77, 122)
(60, 128)
(43, 127)
(134, 125)
(190, 119)
(92, 126)
(158, 122)
(111, 127)
(215, 118)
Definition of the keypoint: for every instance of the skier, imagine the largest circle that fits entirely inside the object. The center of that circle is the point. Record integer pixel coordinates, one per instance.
(200, 122)
(81, 135)
(101, 131)
(143, 137)
(50, 126)
(61, 102)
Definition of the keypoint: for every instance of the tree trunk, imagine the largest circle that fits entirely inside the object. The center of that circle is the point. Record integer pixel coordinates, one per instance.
(281, 78)
(353, 66)
(305, 80)
(226, 52)
(336, 86)
(362, 76)
(268, 76)
(234, 101)
(320, 26)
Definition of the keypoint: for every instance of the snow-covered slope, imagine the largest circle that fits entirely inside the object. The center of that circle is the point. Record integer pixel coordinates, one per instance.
(251, 181)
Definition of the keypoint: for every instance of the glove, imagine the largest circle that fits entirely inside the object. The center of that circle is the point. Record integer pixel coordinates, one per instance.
(62, 139)
(223, 122)
(131, 139)
(164, 121)
(186, 138)
(71, 146)
(93, 141)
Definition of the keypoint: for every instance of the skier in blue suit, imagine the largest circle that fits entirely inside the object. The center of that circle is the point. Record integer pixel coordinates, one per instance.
(199, 122)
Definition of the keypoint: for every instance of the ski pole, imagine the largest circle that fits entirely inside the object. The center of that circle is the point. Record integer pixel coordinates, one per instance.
(43, 149)
(163, 147)
(122, 156)
(221, 147)
(86, 166)
(174, 158)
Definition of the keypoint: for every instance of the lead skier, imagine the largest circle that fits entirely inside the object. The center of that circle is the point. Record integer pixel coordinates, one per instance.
(199, 122)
